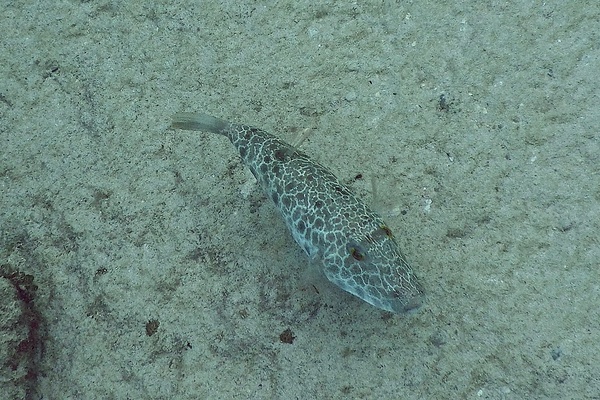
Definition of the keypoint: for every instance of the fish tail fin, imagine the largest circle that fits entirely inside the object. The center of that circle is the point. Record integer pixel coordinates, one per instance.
(199, 122)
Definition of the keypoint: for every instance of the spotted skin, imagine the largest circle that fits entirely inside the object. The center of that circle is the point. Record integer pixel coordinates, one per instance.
(356, 248)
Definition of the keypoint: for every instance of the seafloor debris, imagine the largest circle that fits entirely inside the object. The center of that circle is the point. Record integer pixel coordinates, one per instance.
(20, 334)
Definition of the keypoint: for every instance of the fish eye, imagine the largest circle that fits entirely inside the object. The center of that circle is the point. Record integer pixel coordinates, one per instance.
(388, 231)
(356, 251)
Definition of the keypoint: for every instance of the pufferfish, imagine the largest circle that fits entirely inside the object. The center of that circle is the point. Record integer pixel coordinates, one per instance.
(356, 248)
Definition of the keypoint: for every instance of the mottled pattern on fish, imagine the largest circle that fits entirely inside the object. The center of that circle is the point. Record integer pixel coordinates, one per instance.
(357, 249)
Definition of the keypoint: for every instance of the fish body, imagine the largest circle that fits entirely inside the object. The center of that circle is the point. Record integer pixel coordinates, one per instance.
(356, 248)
